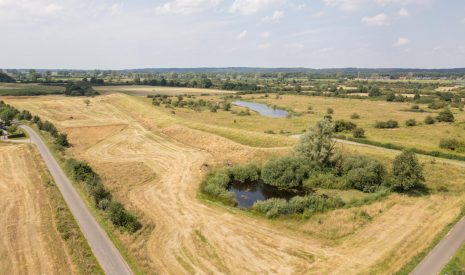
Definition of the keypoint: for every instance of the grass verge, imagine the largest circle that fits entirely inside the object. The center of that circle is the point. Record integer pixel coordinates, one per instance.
(66, 225)
(410, 266)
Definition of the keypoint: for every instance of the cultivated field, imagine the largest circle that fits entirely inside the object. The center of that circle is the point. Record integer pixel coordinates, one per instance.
(150, 90)
(29, 241)
(154, 161)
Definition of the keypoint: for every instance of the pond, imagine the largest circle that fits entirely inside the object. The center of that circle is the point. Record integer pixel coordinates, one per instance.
(247, 193)
(262, 109)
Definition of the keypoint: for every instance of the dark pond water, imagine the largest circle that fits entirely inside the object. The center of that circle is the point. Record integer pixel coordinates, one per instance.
(248, 193)
(262, 109)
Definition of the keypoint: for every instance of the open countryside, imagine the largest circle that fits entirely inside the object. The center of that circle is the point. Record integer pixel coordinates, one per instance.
(232, 137)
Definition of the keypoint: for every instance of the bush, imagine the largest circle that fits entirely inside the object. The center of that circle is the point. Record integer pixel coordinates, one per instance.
(215, 185)
(271, 208)
(410, 122)
(445, 116)
(387, 124)
(355, 116)
(342, 125)
(358, 132)
(429, 120)
(324, 180)
(121, 217)
(329, 111)
(407, 172)
(285, 172)
(249, 172)
(452, 144)
(363, 173)
(436, 105)
(62, 140)
(314, 204)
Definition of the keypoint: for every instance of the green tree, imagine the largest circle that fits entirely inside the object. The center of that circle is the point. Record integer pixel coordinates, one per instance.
(317, 143)
(407, 172)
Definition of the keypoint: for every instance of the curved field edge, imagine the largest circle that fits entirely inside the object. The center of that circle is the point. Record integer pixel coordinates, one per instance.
(98, 215)
(77, 245)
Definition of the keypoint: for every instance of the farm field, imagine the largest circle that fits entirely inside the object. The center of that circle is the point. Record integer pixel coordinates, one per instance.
(148, 90)
(154, 160)
(27, 89)
(30, 242)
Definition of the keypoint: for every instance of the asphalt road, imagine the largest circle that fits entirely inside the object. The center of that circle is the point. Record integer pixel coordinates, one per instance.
(443, 252)
(106, 253)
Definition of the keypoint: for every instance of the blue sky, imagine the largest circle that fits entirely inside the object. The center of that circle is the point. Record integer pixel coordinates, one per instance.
(108, 34)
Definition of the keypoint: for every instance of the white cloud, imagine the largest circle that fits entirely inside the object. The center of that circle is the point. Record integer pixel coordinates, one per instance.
(116, 9)
(277, 15)
(403, 12)
(264, 46)
(186, 6)
(265, 35)
(402, 41)
(242, 35)
(352, 5)
(377, 20)
(463, 20)
(19, 9)
(319, 14)
(246, 7)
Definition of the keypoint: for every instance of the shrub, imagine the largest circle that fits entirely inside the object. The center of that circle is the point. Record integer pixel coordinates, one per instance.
(314, 204)
(387, 124)
(452, 144)
(121, 217)
(285, 172)
(342, 125)
(410, 122)
(329, 111)
(62, 140)
(244, 173)
(271, 208)
(363, 173)
(324, 180)
(407, 172)
(215, 185)
(436, 105)
(355, 116)
(445, 116)
(429, 120)
(358, 132)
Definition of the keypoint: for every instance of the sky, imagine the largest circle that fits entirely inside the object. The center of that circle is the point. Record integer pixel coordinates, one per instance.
(106, 34)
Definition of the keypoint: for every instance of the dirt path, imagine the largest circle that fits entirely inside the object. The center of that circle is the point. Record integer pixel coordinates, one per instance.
(29, 242)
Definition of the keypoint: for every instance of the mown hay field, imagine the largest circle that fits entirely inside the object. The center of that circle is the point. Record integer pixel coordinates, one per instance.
(29, 240)
(154, 162)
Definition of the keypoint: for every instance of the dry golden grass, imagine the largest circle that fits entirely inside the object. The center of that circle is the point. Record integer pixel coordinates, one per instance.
(154, 162)
(29, 241)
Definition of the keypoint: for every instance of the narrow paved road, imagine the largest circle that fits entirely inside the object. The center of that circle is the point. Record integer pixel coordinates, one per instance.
(443, 252)
(106, 253)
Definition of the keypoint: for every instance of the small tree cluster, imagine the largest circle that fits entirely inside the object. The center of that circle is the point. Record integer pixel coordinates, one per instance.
(119, 216)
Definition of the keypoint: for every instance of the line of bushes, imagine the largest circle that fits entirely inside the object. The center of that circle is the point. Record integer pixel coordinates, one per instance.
(118, 215)
(306, 205)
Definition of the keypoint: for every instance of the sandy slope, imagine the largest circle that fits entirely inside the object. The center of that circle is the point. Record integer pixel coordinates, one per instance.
(29, 242)
(192, 237)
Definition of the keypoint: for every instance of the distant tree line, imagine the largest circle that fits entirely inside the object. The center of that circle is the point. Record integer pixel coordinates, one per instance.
(80, 88)
(6, 78)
